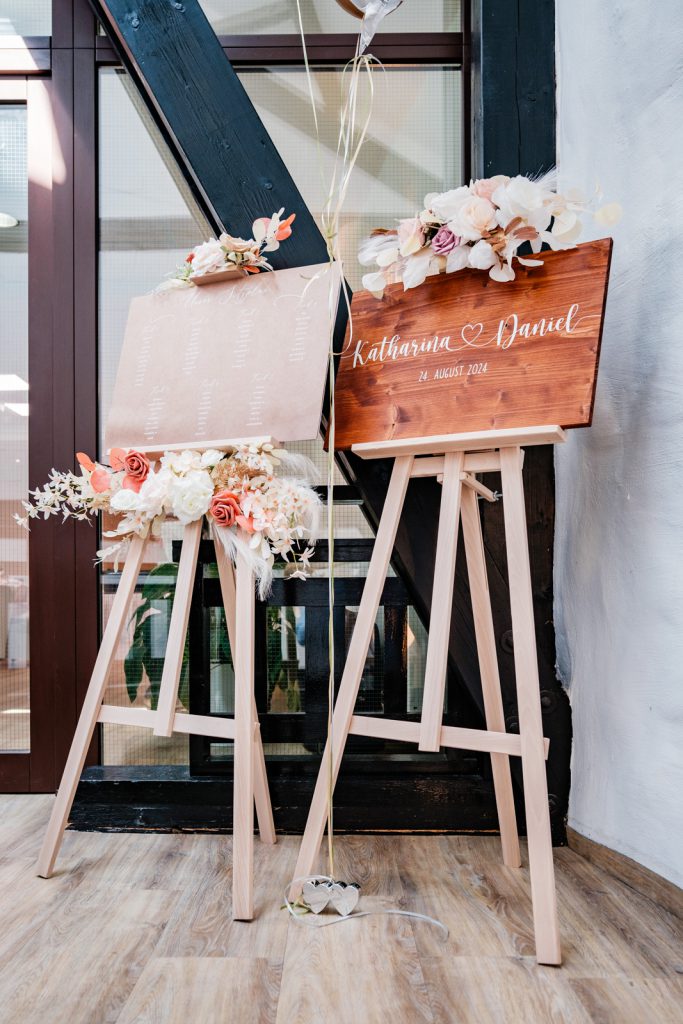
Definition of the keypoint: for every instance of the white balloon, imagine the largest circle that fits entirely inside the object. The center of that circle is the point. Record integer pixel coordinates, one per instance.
(372, 12)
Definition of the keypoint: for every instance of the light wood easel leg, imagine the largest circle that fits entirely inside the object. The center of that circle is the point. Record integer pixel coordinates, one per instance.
(353, 669)
(177, 630)
(243, 800)
(488, 668)
(541, 866)
(442, 604)
(90, 710)
(264, 810)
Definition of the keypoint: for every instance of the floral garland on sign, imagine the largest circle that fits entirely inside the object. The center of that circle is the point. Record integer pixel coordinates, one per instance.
(481, 225)
(250, 508)
(237, 255)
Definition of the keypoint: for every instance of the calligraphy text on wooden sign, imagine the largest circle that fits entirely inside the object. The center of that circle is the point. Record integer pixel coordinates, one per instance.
(244, 358)
(465, 353)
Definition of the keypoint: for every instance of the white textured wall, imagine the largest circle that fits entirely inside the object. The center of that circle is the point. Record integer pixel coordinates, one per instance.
(619, 530)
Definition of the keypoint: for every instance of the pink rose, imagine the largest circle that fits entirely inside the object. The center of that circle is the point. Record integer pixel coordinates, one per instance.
(411, 235)
(225, 508)
(444, 241)
(485, 187)
(136, 466)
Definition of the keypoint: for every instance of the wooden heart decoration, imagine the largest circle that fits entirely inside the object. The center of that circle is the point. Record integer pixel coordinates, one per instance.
(344, 897)
(316, 895)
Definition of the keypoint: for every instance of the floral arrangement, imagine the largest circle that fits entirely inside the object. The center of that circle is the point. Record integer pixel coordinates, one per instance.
(239, 255)
(250, 508)
(481, 225)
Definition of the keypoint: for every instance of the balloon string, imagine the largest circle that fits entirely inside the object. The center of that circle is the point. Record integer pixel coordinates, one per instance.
(349, 144)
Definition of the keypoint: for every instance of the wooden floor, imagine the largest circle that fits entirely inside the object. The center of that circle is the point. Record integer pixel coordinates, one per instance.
(137, 928)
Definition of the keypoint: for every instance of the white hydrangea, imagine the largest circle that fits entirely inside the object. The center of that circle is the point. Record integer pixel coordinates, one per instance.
(181, 462)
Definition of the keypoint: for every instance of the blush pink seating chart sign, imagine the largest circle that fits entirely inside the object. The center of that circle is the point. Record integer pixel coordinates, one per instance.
(236, 359)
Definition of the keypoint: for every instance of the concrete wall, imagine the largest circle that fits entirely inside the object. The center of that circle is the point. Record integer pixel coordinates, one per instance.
(619, 531)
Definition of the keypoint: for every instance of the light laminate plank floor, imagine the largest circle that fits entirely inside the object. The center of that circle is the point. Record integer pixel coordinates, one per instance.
(136, 929)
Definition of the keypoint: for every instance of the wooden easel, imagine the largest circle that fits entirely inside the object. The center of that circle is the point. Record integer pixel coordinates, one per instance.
(457, 459)
(250, 780)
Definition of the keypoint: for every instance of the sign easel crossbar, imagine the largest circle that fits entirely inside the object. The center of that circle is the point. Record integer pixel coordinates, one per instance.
(456, 460)
(250, 780)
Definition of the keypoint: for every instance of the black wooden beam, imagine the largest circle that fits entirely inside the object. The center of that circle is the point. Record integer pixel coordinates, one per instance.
(176, 60)
(513, 47)
(398, 796)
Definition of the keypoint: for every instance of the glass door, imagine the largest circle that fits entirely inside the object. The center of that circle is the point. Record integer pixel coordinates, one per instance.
(25, 185)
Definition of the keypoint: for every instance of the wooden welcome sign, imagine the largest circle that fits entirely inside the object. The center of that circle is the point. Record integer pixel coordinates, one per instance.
(464, 353)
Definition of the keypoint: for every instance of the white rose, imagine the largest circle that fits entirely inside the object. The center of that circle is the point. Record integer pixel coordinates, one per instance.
(473, 218)
(447, 204)
(482, 256)
(208, 257)
(210, 458)
(124, 500)
(191, 495)
(181, 462)
(523, 198)
(154, 495)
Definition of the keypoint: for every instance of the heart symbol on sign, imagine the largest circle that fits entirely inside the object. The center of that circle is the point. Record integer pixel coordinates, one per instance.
(344, 897)
(470, 333)
(316, 895)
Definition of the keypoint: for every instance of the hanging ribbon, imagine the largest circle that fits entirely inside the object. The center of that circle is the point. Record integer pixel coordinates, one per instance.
(350, 141)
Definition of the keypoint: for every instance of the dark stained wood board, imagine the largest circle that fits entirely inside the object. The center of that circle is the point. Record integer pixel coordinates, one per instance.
(465, 353)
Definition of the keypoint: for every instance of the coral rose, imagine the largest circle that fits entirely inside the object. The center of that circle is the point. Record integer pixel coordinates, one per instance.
(225, 508)
(136, 466)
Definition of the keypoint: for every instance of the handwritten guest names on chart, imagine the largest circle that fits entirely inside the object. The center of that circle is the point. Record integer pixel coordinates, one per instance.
(235, 359)
(193, 347)
(257, 401)
(302, 328)
(155, 411)
(210, 390)
(242, 344)
(144, 352)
